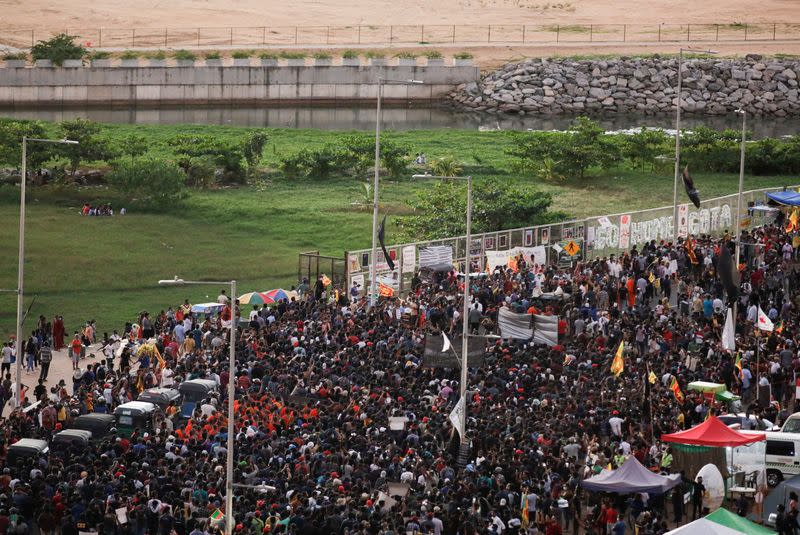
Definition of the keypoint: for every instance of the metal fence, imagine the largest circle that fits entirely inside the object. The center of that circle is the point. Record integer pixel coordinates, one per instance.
(595, 237)
(311, 265)
(410, 34)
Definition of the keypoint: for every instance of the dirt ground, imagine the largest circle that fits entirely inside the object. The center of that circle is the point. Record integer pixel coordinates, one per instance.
(46, 14)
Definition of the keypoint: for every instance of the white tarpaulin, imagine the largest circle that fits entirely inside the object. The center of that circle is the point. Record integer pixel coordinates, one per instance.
(514, 325)
(728, 334)
(535, 255)
(436, 257)
(545, 330)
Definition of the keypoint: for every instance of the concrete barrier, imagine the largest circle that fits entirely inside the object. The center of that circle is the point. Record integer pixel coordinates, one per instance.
(201, 85)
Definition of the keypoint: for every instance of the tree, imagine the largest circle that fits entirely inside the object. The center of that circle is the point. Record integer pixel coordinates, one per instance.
(57, 49)
(133, 145)
(11, 133)
(90, 147)
(226, 154)
(573, 152)
(440, 209)
(151, 181)
(253, 150)
(446, 166)
(642, 147)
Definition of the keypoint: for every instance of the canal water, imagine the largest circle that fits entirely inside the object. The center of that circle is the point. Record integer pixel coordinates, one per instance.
(397, 118)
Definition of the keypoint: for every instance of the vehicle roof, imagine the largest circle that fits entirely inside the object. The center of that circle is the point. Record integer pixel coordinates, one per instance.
(160, 390)
(33, 443)
(205, 382)
(96, 416)
(141, 406)
(83, 433)
(775, 434)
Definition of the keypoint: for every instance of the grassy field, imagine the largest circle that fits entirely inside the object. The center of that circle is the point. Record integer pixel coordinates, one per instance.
(107, 268)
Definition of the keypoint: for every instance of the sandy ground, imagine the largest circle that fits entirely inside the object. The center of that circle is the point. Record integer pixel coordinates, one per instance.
(46, 14)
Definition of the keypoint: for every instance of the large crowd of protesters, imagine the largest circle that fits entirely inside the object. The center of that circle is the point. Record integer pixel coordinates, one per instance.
(322, 380)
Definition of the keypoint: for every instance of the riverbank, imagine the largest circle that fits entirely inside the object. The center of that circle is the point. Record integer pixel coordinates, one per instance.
(761, 86)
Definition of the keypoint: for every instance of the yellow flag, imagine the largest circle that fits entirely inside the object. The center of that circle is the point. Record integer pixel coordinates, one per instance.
(652, 378)
(651, 278)
(326, 281)
(618, 364)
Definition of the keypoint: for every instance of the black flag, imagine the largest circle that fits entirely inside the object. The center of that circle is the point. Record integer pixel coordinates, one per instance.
(728, 273)
(383, 245)
(691, 191)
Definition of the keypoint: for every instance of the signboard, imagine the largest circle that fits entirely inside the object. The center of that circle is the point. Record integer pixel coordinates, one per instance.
(572, 248)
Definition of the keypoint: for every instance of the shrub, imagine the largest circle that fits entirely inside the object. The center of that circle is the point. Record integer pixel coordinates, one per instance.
(446, 166)
(225, 154)
(184, 55)
(253, 150)
(268, 55)
(90, 147)
(213, 55)
(433, 54)
(374, 54)
(129, 54)
(59, 48)
(350, 54)
(292, 55)
(16, 56)
(242, 54)
(151, 181)
(321, 55)
(201, 172)
(100, 55)
(406, 55)
(462, 55)
(642, 147)
(158, 55)
(11, 133)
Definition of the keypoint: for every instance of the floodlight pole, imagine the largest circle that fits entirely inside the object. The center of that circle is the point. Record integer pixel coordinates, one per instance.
(23, 179)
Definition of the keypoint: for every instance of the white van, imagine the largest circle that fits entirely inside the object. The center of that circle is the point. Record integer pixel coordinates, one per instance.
(782, 455)
(792, 424)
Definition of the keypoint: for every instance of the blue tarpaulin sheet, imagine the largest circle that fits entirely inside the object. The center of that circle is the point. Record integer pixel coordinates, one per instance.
(789, 197)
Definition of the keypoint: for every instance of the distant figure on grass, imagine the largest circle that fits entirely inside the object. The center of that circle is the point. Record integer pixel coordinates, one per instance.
(58, 333)
(76, 348)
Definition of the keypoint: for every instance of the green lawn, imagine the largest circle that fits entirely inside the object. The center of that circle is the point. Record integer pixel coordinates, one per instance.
(107, 268)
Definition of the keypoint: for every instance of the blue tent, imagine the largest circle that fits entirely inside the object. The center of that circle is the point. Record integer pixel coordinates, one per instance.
(788, 197)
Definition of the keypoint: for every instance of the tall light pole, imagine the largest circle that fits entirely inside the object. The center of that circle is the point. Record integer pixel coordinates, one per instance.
(678, 138)
(21, 253)
(376, 184)
(737, 232)
(231, 392)
(465, 308)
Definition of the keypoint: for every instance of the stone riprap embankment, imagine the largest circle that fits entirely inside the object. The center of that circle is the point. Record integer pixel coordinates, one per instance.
(762, 86)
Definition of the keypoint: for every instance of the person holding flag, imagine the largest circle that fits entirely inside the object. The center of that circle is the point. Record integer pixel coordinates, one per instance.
(618, 364)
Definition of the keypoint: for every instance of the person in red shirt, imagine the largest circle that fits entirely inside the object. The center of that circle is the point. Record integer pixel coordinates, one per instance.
(76, 350)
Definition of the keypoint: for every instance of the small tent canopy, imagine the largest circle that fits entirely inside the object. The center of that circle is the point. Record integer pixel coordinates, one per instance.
(631, 477)
(779, 495)
(713, 433)
(721, 522)
(787, 197)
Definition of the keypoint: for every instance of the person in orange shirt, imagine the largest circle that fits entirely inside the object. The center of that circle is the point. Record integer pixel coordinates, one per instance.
(631, 287)
(76, 348)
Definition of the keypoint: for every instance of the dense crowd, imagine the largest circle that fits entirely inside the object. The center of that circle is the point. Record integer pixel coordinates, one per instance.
(323, 380)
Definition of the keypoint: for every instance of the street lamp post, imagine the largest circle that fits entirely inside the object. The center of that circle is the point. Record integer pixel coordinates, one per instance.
(465, 308)
(376, 180)
(21, 253)
(231, 392)
(678, 138)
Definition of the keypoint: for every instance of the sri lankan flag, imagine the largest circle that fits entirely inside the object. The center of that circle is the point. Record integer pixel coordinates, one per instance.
(738, 365)
(384, 290)
(618, 364)
(778, 328)
(524, 511)
(676, 389)
(651, 378)
(689, 245)
(793, 224)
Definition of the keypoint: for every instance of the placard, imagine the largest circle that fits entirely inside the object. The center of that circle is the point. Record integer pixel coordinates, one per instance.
(409, 259)
(624, 231)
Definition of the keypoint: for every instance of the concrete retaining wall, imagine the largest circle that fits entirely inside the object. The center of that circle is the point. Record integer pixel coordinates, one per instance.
(153, 86)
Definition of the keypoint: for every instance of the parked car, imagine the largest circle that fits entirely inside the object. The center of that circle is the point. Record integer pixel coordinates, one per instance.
(756, 423)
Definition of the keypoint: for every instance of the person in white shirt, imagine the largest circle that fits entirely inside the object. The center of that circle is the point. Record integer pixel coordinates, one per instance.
(222, 299)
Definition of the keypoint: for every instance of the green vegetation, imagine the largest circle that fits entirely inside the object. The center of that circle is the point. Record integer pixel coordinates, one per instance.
(100, 54)
(405, 55)
(240, 217)
(293, 55)
(433, 54)
(129, 54)
(184, 55)
(350, 54)
(57, 49)
(16, 56)
(321, 55)
(213, 55)
(268, 55)
(242, 54)
(462, 55)
(153, 181)
(157, 55)
(374, 54)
